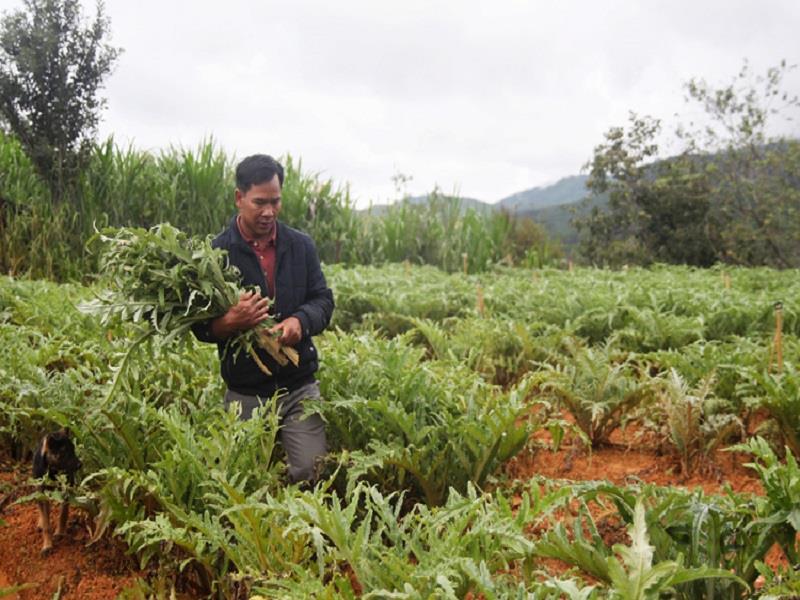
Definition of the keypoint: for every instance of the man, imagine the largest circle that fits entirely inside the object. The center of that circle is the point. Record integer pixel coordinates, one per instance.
(282, 262)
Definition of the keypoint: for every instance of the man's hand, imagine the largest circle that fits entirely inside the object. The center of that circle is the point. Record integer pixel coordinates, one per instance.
(246, 314)
(291, 331)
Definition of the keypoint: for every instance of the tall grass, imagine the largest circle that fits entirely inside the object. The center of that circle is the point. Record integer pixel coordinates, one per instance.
(440, 233)
(193, 190)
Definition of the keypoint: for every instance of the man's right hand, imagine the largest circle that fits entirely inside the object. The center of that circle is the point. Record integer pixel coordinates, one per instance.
(251, 309)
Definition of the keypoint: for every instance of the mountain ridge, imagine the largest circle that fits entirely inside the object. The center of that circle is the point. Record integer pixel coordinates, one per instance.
(567, 190)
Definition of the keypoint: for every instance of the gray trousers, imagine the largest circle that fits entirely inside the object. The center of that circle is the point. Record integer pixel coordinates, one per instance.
(303, 439)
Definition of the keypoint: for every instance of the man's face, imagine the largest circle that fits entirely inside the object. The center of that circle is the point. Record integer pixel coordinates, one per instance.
(259, 207)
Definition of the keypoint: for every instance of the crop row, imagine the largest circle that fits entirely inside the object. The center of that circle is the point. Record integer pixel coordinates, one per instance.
(431, 382)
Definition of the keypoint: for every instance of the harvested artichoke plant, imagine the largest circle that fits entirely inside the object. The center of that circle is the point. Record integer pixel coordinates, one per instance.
(168, 281)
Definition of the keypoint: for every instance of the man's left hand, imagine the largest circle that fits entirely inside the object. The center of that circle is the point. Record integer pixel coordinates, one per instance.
(291, 331)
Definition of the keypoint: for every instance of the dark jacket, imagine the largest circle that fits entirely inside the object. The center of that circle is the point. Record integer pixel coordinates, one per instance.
(300, 291)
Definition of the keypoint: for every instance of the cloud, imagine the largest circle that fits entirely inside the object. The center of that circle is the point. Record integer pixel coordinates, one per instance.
(485, 98)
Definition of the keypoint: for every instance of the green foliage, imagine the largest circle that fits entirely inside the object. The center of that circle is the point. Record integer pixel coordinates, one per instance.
(730, 195)
(754, 199)
(655, 210)
(691, 427)
(509, 349)
(782, 582)
(206, 494)
(169, 282)
(440, 232)
(52, 66)
(192, 189)
(35, 235)
(377, 293)
(780, 394)
(780, 511)
(160, 275)
(708, 533)
(325, 212)
(640, 310)
(629, 570)
(199, 495)
(406, 422)
(597, 391)
(428, 552)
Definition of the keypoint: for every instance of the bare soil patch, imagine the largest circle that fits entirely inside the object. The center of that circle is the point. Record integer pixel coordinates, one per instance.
(97, 572)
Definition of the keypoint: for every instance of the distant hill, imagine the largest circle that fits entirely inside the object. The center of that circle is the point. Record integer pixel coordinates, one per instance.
(565, 191)
(568, 190)
(553, 206)
(556, 219)
(466, 203)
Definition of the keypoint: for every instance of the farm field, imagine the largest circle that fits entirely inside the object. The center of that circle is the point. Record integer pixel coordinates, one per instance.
(514, 434)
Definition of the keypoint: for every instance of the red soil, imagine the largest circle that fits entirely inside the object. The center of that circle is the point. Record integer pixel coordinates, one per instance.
(623, 465)
(96, 572)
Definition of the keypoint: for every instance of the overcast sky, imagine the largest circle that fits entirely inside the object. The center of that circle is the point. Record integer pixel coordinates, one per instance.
(481, 98)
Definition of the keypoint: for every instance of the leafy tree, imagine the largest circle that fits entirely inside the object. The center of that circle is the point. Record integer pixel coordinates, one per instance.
(656, 210)
(754, 216)
(617, 168)
(732, 194)
(52, 65)
(528, 243)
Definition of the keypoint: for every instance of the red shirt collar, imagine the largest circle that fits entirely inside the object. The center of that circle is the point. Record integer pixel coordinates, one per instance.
(270, 241)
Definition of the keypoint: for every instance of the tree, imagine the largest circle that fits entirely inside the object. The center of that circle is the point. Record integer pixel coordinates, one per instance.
(656, 208)
(731, 195)
(52, 66)
(754, 216)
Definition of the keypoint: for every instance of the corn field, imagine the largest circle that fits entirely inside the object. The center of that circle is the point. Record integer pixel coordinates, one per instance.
(432, 382)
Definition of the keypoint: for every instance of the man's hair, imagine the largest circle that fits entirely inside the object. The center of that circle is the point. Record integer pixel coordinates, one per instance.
(255, 169)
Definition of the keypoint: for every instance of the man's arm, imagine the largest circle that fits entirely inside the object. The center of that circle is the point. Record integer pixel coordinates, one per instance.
(316, 312)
